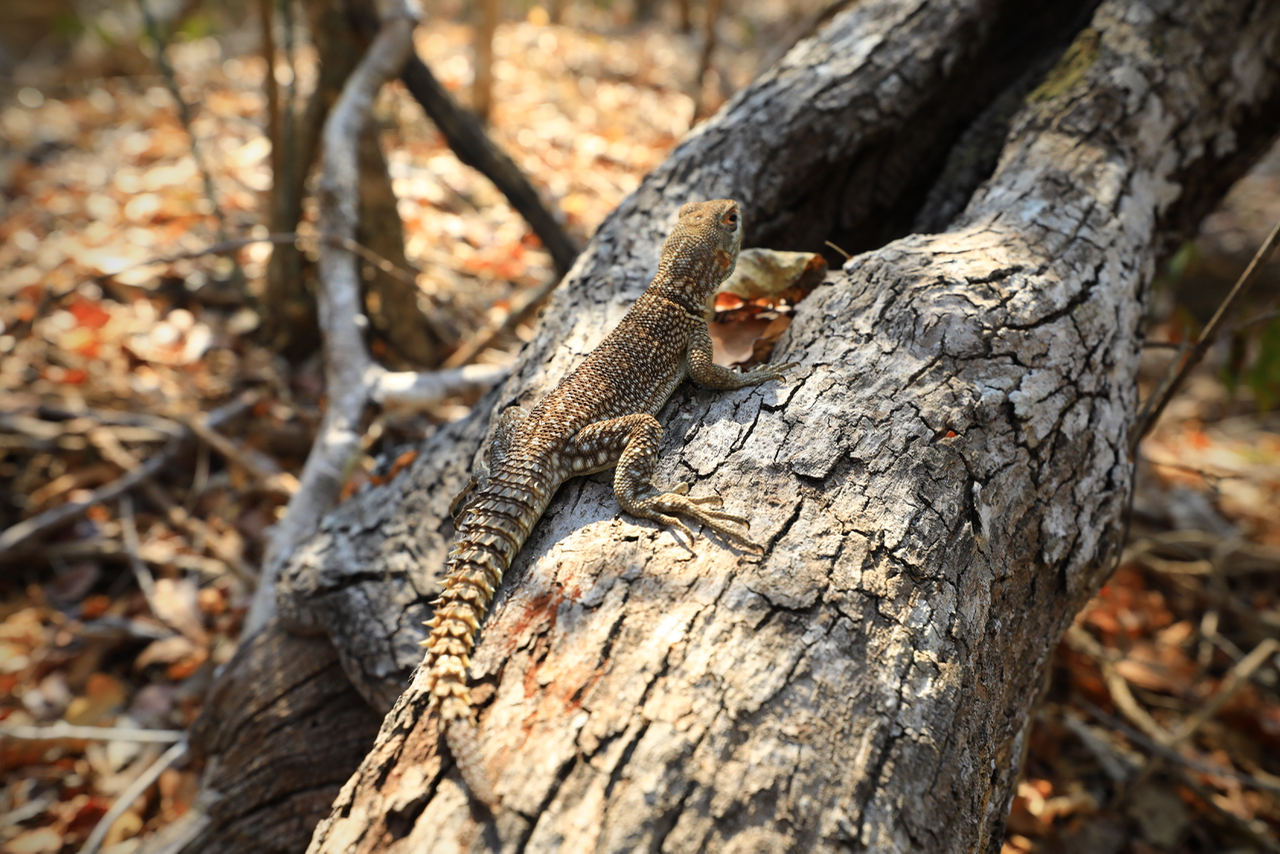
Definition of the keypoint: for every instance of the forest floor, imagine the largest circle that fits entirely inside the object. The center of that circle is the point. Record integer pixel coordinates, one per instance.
(1160, 729)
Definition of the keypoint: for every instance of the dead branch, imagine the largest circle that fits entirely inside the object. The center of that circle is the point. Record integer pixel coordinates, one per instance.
(467, 137)
(50, 519)
(1181, 367)
(348, 365)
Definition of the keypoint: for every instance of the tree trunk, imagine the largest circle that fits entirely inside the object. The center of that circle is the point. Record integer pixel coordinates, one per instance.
(938, 490)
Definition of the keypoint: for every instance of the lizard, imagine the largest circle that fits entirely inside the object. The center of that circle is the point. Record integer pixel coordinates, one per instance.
(601, 416)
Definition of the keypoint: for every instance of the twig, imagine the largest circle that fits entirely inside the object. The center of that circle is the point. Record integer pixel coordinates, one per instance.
(1165, 743)
(1255, 829)
(846, 255)
(226, 247)
(131, 794)
(38, 524)
(1169, 753)
(129, 529)
(704, 64)
(62, 729)
(45, 433)
(1177, 373)
(1181, 766)
(1237, 677)
(184, 114)
(257, 465)
(291, 59)
(200, 481)
(1081, 641)
(406, 276)
(482, 85)
(413, 390)
(1117, 765)
(108, 417)
(1207, 475)
(1235, 327)
(1254, 321)
(477, 344)
(197, 529)
(274, 120)
(104, 549)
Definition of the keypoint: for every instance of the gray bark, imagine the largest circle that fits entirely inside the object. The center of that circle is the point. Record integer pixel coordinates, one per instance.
(938, 491)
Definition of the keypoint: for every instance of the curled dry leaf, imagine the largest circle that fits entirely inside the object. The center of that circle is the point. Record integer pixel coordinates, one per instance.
(750, 304)
(773, 275)
(177, 604)
(734, 343)
(167, 651)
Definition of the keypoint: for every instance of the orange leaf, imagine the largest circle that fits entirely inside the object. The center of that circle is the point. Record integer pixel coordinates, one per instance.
(103, 694)
(729, 302)
(89, 313)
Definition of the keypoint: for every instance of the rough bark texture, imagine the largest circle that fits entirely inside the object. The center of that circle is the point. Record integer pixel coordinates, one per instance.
(938, 491)
(255, 796)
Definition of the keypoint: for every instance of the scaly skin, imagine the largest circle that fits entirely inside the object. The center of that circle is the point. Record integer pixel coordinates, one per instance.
(600, 417)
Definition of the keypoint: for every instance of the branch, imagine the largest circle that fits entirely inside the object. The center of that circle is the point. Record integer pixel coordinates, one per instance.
(25, 530)
(466, 136)
(62, 729)
(417, 390)
(184, 114)
(131, 794)
(1178, 371)
(348, 367)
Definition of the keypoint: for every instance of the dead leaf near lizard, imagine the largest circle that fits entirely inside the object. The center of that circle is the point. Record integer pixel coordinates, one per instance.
(755, 304)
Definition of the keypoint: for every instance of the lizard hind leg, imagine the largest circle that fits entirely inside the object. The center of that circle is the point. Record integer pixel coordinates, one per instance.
(632, 441)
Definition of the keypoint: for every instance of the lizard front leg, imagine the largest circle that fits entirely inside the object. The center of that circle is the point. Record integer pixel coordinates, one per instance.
(632, 441)
(708, 374)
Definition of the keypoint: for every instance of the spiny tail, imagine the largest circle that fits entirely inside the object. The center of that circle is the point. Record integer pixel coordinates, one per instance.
(493, 530)
(475, 572)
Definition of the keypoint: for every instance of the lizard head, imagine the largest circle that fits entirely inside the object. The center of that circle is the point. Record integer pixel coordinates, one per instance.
(702, 249)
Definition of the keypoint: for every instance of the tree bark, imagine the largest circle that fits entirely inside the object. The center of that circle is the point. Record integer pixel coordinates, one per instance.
(938, 491)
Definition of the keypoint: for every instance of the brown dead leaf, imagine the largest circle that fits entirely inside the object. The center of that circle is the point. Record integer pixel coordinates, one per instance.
(178, 790)
(773, 275)
(125, 827)
(177, 603)
(42, 840)
(763, 348)
(166, 651)
(1158, 667)
(104, 694)
(733, 343)
(186, 667)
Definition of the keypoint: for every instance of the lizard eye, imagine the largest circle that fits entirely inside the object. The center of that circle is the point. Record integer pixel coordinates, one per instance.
(731, 219)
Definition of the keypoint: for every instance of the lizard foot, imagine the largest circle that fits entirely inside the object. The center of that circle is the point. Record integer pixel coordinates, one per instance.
(764, 373)
(660, 508)
(682, 488)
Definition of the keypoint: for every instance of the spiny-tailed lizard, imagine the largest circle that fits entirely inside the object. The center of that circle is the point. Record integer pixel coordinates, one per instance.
(600, 417)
